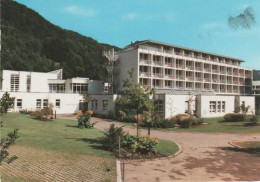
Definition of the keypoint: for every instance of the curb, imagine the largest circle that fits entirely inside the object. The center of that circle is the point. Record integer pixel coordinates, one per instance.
(118, 171)
(233, 145)
(156, 159)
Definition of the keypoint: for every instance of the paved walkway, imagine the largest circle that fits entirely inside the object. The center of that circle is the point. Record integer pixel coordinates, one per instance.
(205, 157)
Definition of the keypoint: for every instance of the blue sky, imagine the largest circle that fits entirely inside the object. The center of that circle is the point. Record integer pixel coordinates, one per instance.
(198, 24)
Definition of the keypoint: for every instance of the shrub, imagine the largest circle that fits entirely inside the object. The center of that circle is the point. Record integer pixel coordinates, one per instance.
(187, 123)
(84, 119)
(37, 114)
(234, 117)
(254, 119)
(110, 114)
(111, 138)
(181, 117)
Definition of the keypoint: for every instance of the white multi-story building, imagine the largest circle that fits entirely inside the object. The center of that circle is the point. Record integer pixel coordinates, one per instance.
(35, 90)
(216, 83)
(256, 87)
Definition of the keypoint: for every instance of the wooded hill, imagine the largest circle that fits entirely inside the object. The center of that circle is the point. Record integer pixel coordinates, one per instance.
(31, 43)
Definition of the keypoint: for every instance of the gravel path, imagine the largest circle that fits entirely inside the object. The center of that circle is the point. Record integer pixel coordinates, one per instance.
(205, 157)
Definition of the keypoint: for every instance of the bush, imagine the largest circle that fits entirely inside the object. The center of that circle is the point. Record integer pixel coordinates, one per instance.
(84, 119)
(181, 117)
(187, 123)
(110, 114)
(37, 114)
(254, 119)
(234, 117)
(111, 138)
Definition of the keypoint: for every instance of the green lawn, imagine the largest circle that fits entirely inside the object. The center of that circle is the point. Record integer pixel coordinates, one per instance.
(57, 135)
(216, 125)
(250, 144)
(167, 147)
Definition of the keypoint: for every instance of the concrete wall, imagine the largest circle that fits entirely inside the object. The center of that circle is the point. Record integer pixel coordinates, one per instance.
(127, 60)
(69, 103)
(100, 110)
(249, 101)
(175, 104)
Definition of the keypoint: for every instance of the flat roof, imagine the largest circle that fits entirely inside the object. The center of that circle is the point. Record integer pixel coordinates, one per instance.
(180, 47)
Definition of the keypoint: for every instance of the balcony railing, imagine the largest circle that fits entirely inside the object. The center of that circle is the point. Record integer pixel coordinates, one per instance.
(235, 91)
(215, 80)
(179, 77)
(223, 72)
(229, 81)
(168, 86)
(198, 79)
(229, 91)
(169, 76)
(169, 64)
(144, 61)
(222, 81)
(235, 82)
(207, 69)
(158, 75)
(206, 79)
(229, 72)
(181, 66)
(235, 73)
(189, 78)
(160, 63)
(190, 67)
(147, 74)
(180, 87)
(198, 68)
(215, 71)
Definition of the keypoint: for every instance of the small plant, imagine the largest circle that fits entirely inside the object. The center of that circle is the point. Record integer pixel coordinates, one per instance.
(254, 119)
(84, 119)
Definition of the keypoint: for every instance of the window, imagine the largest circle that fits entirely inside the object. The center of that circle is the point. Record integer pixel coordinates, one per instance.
(105, 104)
(14, 84)
(28, 83)
(19, 103)
(223, 106)
(45, 103)
(57, 88)
(106, 87)
(57, 104)
(219, 106)
(79, 88)
(94, 104)
(159, 106)
(38, 103)
(212, 106)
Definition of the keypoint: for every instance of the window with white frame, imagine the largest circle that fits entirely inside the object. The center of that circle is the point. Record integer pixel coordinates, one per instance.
(57, 88)
(38, 103)
(223, 106)
(45, 103)
(14, 83)
(105, 104)
(79, 88)
(57, 103)
(212, 106)
(19, 103)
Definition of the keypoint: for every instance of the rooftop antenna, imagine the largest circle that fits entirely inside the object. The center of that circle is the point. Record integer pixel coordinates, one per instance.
(112, 57)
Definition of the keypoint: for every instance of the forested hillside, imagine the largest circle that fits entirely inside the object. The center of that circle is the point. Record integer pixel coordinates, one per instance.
(31, 43)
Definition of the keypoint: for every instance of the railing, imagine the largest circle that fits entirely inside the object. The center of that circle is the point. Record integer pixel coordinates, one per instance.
(235, 73)
(229, 81)
(235, 91)
(169, 64)
(179, 87)
(215, 71)
(190, 67)
(229, 91)
(179, 77)
(223, 72)
(145, 74)
(215, 80)
(229, 72)
(180, 66)
(169, 76)
(222, 81)
(189, 78)
(241, 83)
(158, 75)
(206, 79)
(198, 79)
(169, 86)
(235, 82)
(223, 91)
(144, 61)
(158, 63)
(207, 69)
(198, 68)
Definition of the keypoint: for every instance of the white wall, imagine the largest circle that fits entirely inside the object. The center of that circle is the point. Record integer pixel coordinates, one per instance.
(249, 101)
(204, 105)
(69, 103)
(111, 103)
(175, 104)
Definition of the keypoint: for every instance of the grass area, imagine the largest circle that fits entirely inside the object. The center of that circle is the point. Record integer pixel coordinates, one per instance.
(167, 147)
(216, 125)
(57, 135)
(250, 144)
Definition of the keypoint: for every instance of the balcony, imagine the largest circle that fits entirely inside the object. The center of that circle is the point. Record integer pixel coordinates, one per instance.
(158, 75)
(189, 67)
(198, 68)
(207, 70)
(198, 79)
(145, 74)
(229, 72)
(206, 79)
(181, 66)
(215, 71)
(189, 78)
(235, 73)
(169, 86)
(145, 61)
(222, 81)
(179, 77)
(159, 63)
(229, 91)
(215, 80)
(235, 91)
(169, 64)
(223, 72)
(235, 82)
(229, 81)
(169, 76)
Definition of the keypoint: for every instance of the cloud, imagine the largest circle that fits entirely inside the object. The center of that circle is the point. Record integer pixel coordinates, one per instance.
(129, 16)
(75, 10)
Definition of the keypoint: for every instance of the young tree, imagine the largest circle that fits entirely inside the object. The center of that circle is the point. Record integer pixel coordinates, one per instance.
(135, 99)
(7, 102)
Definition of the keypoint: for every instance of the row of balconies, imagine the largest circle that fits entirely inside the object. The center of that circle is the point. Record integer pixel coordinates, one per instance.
(233, 71)
(197, 56)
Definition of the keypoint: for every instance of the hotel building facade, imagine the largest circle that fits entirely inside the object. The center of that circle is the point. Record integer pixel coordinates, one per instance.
(217, 84)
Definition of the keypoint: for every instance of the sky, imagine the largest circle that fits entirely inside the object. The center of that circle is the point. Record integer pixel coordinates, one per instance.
(197, 24)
